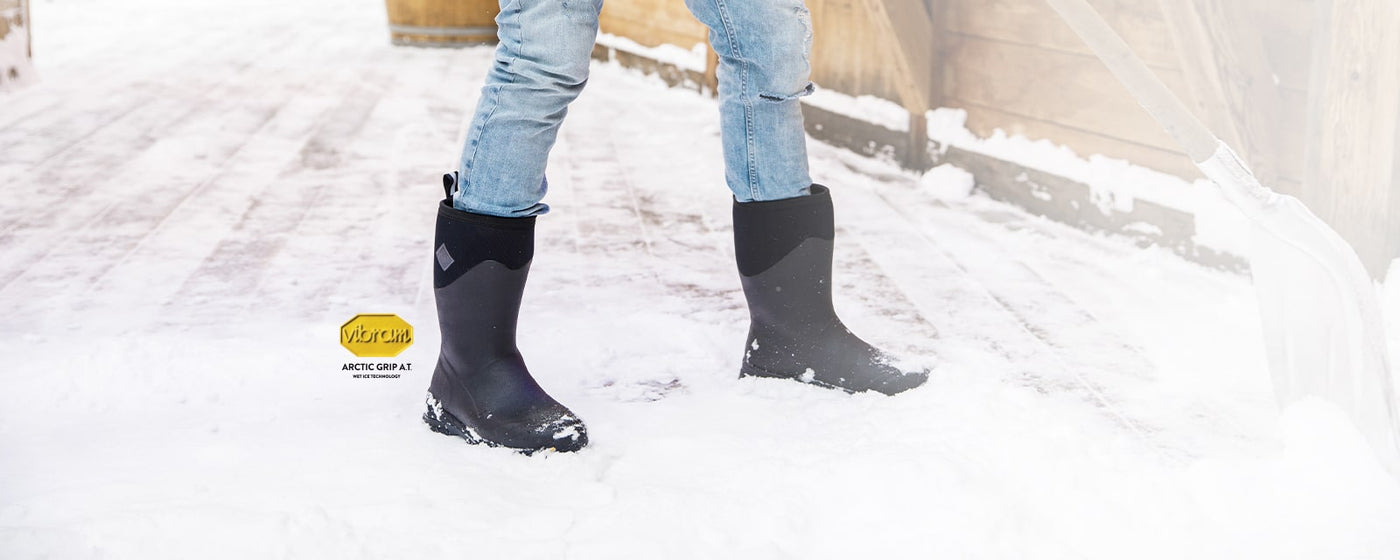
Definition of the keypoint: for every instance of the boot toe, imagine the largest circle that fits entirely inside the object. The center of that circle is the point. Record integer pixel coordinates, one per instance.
(900, 381)
(552, 428)
(569, 435)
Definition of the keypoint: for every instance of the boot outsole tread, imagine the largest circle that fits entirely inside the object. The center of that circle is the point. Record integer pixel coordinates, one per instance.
(750, 370)
(451, 426)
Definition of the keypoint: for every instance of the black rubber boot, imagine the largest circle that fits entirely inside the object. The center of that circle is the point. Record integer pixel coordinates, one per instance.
(784, 248)
(481, 390)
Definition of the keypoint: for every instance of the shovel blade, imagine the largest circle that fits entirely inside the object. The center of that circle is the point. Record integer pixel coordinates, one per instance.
(1323, 330)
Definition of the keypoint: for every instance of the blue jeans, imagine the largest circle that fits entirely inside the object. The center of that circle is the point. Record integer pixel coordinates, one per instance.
(541, 65)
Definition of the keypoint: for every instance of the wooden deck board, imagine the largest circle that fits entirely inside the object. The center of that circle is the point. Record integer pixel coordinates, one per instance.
(134, 201)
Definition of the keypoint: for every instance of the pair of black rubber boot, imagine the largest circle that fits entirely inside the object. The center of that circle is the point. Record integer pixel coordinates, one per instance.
(481, 390)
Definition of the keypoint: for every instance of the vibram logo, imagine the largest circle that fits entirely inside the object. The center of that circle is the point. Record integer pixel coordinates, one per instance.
(376, 335)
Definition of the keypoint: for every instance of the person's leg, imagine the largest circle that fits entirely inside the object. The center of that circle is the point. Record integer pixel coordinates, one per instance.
(541, 65)
(764, 48)
(481, 389)
(784, 225)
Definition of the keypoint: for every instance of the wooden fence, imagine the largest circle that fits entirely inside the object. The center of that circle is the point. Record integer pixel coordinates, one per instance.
(1308, 91)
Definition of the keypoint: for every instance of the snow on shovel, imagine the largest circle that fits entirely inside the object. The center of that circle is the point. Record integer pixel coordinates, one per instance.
(1322, 326)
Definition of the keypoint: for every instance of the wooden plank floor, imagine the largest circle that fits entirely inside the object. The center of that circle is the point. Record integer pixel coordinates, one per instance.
(184, 173)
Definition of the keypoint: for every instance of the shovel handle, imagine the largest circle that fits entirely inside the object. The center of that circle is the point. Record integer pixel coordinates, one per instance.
(1164, 106)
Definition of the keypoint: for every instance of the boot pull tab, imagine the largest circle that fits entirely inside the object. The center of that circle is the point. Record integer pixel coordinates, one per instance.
(449, 183)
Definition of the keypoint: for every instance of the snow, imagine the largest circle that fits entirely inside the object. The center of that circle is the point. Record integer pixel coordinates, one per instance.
(948, 182)
(1390, 308)
(692, 59)
(568, 433)
(1317, 438)
(184, 236)
(1115, 184)
(866, 108)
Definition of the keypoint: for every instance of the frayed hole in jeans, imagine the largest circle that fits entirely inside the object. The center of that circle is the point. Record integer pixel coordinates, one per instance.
(805, 17)
(776, 97)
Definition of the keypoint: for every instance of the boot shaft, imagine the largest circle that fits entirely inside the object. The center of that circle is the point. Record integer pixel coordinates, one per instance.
(480, 266)
(784, 252)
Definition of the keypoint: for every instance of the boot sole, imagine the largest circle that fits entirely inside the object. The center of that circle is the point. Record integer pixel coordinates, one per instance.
(451, 426)
(747, 370)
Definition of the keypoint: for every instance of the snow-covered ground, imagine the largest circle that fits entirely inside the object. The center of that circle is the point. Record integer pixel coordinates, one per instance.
(197, 194)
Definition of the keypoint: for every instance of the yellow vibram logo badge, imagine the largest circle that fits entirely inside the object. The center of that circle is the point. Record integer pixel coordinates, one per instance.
(376, 335)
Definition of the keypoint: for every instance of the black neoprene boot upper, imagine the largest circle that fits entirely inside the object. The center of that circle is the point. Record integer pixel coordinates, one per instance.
(481, 390)
(784, 250)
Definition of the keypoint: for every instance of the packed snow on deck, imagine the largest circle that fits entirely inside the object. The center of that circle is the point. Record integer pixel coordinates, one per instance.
(197, 195)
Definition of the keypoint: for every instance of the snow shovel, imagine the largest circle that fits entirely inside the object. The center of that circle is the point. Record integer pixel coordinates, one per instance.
(1323, 332)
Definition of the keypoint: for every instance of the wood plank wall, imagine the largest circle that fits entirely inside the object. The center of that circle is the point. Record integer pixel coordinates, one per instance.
(845, 55)
(1013, 65)
(652, 22)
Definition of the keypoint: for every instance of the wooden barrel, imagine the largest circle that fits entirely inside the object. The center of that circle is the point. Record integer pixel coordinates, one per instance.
(442, 23)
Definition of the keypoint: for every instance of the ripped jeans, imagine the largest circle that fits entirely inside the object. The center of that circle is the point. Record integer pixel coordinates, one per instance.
(541, 65)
